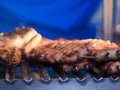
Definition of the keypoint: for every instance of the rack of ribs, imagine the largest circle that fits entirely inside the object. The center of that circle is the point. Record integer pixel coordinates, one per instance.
(26, 45)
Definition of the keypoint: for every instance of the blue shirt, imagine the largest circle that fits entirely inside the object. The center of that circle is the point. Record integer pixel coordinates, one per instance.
(52, 18)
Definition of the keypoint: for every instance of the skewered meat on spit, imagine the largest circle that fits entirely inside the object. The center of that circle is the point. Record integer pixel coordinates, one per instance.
(25, 44)
(74, 51)
(12, 42)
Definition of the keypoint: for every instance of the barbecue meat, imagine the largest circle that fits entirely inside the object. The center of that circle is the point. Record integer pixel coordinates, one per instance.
(107, 54)
(17, 43)
(111, 67)
(10, 57)
(11, 44)
(73, 55)
(69, 51)
(17, 38)
(77, 66)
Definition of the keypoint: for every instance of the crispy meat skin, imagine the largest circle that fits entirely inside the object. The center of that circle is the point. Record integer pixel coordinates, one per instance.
(17, 43)
(77, 66)
(69, 51)
(110, 67)
(17, 38)
(10, 57)
(11, 44)
(107, 54)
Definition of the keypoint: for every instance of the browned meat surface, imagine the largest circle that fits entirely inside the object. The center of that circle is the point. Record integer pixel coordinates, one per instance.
(10, 57)
(17, 43)
(17, 38)
(107, 54)
(11, 44)
(111, 67)
(69, 51)
(73, 55)
(77, 66)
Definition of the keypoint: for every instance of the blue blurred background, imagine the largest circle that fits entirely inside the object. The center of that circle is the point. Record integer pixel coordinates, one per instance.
(53, 18)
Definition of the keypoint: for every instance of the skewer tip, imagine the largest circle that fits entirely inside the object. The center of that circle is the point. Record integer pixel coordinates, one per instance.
(63, 80)
(28, 80)
(81, 80)
(98, 79)
(10, 80)
(114, 78)
(46, 80)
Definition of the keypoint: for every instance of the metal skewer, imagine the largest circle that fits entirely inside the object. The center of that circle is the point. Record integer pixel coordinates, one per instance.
(27, 76)
(79, 76)
(114, 77)
(9, 75)
(61, 74)
(95, 75)
(43, 73)
(108, 19)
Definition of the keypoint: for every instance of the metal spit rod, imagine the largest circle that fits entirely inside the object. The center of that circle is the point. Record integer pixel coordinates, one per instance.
(108, 19)
(44, 76)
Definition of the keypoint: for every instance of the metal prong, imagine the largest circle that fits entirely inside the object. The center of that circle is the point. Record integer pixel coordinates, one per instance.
(43, 73)
(95, 75)
(114, 77)
(63, 80)
(61, 74)
(9, 75)
(27, 76)
(86, 67)
(107, 55)
(46, 80)
(118, 68)
(79, 76)
(98, 78)
(118, 53)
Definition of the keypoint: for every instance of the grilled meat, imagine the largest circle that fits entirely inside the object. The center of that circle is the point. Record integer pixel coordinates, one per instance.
(10, 57)
(73, 55)
(105, 69)
(77, 66)
(69, 51)
(17, 38)
(111, 67)
(107, 54)
(17, 43)
(11, 44)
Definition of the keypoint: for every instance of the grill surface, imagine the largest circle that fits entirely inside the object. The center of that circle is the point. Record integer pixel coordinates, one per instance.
(13, 80)
(23, 77)
(11, 74)
(55, 84)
